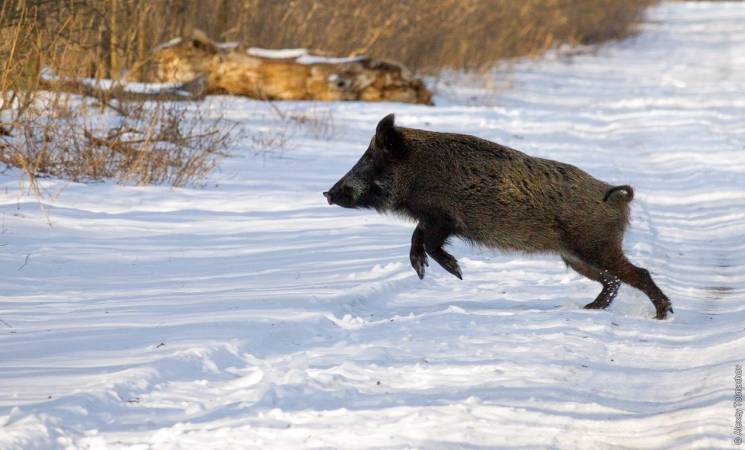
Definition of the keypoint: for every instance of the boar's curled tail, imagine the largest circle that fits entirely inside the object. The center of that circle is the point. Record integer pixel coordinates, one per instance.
(626, 188)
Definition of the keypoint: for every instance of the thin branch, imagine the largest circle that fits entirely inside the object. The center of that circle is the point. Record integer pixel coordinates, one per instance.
(25, 262)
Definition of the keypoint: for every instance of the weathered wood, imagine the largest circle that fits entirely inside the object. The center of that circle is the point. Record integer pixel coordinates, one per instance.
(283, 75)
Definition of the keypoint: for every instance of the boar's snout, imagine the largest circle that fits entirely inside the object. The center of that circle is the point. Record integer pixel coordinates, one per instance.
(341, 194)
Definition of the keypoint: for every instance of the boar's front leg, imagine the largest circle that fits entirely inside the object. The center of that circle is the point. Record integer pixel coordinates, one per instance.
(435, 236)
(428, 240)
(417, 256)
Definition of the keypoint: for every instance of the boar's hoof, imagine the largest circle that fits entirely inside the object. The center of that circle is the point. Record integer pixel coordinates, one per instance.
(662, 310)
(597, 305)
(451, 265)
(419, 262)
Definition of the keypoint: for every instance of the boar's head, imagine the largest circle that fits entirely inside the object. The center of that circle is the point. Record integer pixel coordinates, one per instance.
(370, 182)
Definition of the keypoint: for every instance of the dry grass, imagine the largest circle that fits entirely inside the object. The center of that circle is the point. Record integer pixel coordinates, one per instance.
(100, 38)
(160, 143)
(429, 35)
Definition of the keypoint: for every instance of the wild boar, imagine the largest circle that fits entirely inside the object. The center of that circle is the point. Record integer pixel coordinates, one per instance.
(498, 197)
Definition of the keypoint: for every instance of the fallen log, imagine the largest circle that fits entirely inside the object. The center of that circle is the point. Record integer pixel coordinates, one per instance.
(123, 91)
(293, 74)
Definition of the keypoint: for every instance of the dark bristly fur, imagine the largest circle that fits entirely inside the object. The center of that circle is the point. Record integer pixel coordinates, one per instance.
(459, 185)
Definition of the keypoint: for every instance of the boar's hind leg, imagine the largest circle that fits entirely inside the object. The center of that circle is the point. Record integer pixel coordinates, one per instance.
(610, 283)
(640, 278)
(417, 256)
(434, 237)
(614, 261)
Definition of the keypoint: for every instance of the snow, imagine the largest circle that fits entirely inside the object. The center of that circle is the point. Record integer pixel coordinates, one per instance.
(227, 45)
(313, 59)
(301, 56)
(250, 314)
(171, 43)
(284, 53)
(151, 88)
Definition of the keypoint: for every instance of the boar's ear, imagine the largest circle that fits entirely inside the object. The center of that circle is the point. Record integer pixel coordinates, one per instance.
(387, 138)
(386, 123)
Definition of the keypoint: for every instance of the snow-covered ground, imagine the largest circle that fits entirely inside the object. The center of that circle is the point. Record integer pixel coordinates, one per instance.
(250, 314)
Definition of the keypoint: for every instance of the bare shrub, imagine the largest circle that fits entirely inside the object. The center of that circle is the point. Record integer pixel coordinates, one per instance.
(155, 143)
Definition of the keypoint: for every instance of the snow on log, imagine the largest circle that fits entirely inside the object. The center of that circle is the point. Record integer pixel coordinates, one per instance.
(123, 90)
(289, 74)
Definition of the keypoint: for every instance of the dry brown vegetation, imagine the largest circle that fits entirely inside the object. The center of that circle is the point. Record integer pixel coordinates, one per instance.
(145, 143)
(427, 35)
(104, 37)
